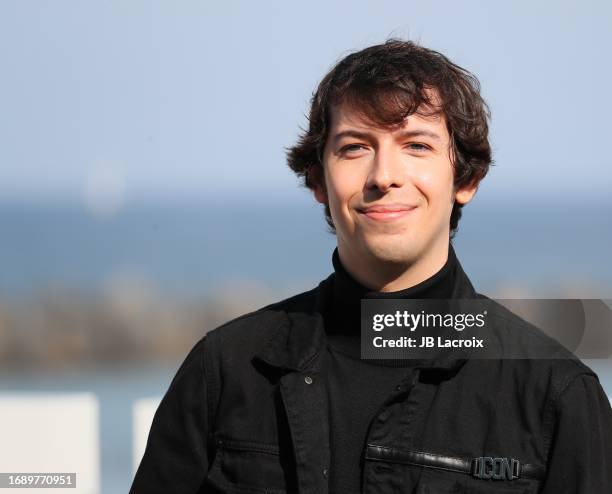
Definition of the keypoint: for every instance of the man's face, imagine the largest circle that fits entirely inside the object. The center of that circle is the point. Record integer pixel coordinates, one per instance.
(390, 192)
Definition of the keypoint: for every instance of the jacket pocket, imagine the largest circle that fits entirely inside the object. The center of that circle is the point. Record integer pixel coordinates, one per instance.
(434, 473)
(247, 467)
(457, 488)
(448, 483)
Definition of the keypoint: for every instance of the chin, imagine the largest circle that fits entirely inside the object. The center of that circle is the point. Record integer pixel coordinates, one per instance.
(398, 251)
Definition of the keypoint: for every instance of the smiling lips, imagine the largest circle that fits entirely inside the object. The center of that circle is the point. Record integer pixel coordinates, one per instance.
(387, 212)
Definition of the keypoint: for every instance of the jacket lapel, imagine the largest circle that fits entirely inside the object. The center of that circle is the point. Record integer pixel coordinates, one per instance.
(305, 399)
(296, 348)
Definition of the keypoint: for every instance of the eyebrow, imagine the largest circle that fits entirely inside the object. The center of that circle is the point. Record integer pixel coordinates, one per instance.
(402, 135)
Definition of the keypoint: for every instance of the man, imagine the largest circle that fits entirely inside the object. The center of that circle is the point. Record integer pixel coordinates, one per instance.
(279, 400)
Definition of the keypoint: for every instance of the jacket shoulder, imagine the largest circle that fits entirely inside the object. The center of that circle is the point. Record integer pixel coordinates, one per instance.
(560, 365)
(255, 327)
(513, 329)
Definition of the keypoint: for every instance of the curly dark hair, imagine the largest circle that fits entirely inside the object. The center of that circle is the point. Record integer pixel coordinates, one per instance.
(388, 82)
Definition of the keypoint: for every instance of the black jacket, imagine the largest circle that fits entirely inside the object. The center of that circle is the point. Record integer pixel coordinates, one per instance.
(247, 412)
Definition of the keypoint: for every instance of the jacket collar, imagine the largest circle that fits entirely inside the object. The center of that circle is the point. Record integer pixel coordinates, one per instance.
(300, 339)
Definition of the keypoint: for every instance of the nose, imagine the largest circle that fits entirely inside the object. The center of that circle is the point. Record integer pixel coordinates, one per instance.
(387, 170)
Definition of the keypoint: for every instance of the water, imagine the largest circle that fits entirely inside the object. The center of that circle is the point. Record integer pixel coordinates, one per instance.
(193, 248)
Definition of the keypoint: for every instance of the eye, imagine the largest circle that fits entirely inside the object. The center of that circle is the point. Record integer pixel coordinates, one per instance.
(417, 146)
(351, 149)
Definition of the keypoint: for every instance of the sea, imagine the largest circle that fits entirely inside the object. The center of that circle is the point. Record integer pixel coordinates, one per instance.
(194, 247)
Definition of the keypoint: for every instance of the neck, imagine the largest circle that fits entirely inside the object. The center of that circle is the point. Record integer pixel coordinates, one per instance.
(389, 276)
(342, 311)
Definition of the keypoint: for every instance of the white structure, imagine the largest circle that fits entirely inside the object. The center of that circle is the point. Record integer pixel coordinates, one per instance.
(142, 417)
(43, 432)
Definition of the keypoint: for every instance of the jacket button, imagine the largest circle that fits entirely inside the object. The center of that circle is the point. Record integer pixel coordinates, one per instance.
(308, 380)
(325, 472)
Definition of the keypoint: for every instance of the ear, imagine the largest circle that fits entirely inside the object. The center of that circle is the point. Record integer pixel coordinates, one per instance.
(466, 193)
(316, 176)
(320, 195)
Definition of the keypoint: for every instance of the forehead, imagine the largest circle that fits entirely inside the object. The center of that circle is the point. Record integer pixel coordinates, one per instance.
(347, 116)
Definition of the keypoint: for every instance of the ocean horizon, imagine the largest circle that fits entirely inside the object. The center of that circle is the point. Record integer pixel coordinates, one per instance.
(191, 249)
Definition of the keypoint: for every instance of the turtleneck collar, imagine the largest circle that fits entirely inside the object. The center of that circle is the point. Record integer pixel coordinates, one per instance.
(348, 291)
(342, 317)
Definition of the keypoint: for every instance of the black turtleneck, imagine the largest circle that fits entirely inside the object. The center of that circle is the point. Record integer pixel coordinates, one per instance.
(357, 388)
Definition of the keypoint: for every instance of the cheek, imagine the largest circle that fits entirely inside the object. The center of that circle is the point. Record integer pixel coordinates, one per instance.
(435, 183)
(343, 185)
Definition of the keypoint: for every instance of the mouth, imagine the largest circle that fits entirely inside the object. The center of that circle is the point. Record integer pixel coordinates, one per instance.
(387, 213)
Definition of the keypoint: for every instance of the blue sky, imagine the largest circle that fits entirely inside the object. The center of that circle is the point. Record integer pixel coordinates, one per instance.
(184, 99)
